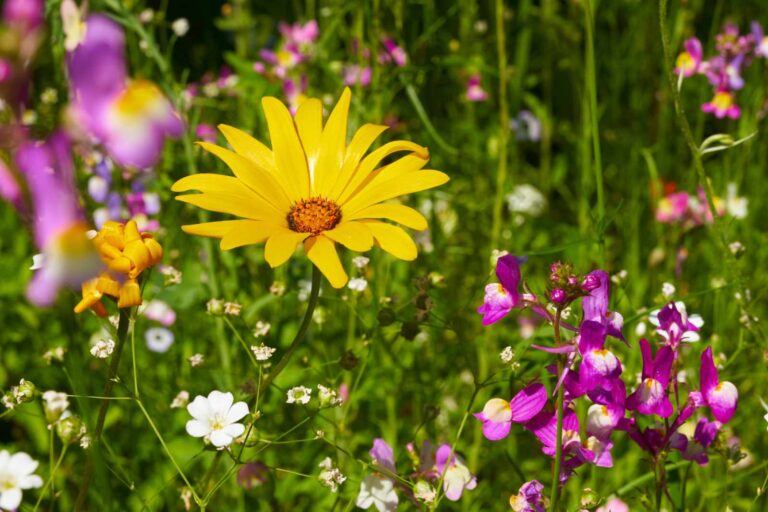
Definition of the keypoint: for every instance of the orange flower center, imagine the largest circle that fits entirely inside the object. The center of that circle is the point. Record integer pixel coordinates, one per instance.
(314, 215)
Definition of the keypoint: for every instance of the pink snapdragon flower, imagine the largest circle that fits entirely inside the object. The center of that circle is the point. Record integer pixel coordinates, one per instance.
(695, 448)
(721, 397)
(456, 475)
(672, 207)
(675, 325)
(722, 105)
(498, 414)
(651, 396)
(502, 297)
(475, 91)
(689, 61)
(529, 498)
(598, 364)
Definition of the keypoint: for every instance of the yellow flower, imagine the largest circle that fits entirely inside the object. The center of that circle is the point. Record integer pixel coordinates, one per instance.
(312, 187)
(127, 253)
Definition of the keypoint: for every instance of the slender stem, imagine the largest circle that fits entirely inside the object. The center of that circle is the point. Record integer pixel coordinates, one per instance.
(555, 496)
(50, 478)
(661, 482)
(303, 328)
(122, 331)
(501, 172)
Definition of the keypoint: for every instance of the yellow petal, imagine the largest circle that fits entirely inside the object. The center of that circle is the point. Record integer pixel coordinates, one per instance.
(290, 159)
(392, 171)
(322, 252)
(332, 145)
(250, 207)
(309, 123)
(215, 229)
(393, 239)
(207, 182)
(371, 162)
(405, 184)
(360, 143)
(258, 180)
(249, 147)
(254, 232)
(399, 213)
(353, 235)
(281, 245)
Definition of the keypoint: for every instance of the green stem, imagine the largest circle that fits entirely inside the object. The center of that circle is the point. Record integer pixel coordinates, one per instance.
(501, 172)
(555, 496)
(303, 328)
(50, 478)
(122, 331)
(661, 482)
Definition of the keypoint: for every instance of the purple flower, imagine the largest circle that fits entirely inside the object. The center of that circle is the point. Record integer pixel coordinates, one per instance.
(498, 414)
(393, 53)
(651, 396)
(24, 13)
(598, 364)
(455, 473)
(529, 498)
(378, 489)
(595, 305)
(544, 427)
(721, 397)
(206, 132)
(131, 118)
(502, 297)
(675, 325)
(761, 41)
(722, 105)
(558, 296)
(383, 455)
(475, 91)
(695, 449)
(354, 75)
(689, 61)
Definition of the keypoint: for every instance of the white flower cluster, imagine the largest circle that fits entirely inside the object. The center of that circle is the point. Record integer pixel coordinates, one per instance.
(330, 476)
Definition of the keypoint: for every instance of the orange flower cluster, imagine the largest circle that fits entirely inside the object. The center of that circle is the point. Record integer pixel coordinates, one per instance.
(127, 253)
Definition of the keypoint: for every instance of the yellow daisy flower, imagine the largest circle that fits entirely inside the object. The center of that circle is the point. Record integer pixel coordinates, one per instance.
(312, 187)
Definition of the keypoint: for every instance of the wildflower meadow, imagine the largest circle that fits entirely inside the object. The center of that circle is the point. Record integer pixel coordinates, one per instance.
(424, 255)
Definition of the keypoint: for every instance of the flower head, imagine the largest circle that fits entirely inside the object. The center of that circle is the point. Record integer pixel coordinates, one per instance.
(16, 474)
(312, 188)
(457, 477)
(498, 414)
(721, 397)
(695, 448)
(299, 395)
(689, 61)
(475, 91)
(722, 105)
(651, 396)
(675, 325)
(502, 297)
(529, 498)
(216, 418)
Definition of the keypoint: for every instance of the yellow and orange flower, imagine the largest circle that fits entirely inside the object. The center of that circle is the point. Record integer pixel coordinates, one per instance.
(312, 187)
(127, 253)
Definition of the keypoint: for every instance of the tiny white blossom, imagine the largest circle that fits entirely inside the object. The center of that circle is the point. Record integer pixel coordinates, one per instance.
(328, 396)
(262, 352)
(85, 441)
(103, 348)
(49, 96)
(261, 329)
(16, 474)
(299, 395)
(54, 354)
(180, 27)
(55, 402)
(736, 247)
(668, 290)
(507, 355)
(277, 288)
(172, 275)
(146, 15)
(360, 261)
(159, 339)
(378, 491)
(216, 418)
(765, 406)
(232, 308)
(215, 306)
(330, 476)
(180, 400)
(526, 199)
(196, 360)
(424, 492)
(357, 284)
(640, 329)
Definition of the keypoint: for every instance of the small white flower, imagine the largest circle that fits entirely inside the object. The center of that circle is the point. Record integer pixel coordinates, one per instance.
(328, 396)
(180, 400)
(55, 402)
(172, 275)
(215, 306)
(262, 352)
(507, 355)
(277, 288)
(54, 354)
(619, 276)
(85, 441)
(38, 261)
(196, 360)
(424, 492)
(159, 311)
(526, 199)
(232, 308)
(103, 348)
(146, 15)
(737, 207)
(736, 247)
(49, 96)
(330, 476)
(765, 406)
(216, 418)
(261, 329)
(299, 395)
(668, 290)
(159, 339)
(360, 261)
(180, 27)
(378, 491)
(357, 284)
(640, 329)
(16, 475)
(305, 287)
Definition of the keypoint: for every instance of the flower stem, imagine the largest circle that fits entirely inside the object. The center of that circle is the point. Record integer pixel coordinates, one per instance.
(303, 328)
(555, 496)
(122, 331)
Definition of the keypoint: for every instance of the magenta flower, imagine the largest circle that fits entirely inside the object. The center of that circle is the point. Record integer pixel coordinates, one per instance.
(498, 414)
(357, 75)
(456, 475)
(131, 118)
(529, 498)
(722, 105)
(689, 61)
(475, 91)
(675, 325)
(651, 396)
(595, 305)
(598, 364)
(393, 53)
(672, 207)
(206, 132)
(502, 297)
(378, 489)
(721, 397)
(544, 427)
(383, 455)
(695, 449)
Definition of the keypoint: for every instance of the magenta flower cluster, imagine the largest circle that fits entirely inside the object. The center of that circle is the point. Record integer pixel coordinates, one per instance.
(591, 370)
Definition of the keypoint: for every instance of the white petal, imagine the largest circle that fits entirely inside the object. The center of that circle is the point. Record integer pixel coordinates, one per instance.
(220, 438)
(199, 408)
(696, 320)
(23, 464)
(220, 402)
(30, 482)
(10, 499)
(237, 412)
(197, 428)
(234, 430)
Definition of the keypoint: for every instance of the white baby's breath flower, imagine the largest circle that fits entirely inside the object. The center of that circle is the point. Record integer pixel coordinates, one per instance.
(360, 261)
(299, 395)
(668, 290)
(216, 417)
(180, 27)
(328, 396)
(330, 476)
(232, 308)
(261, 329)
(103, 348)
(54, 354)
(507, 355)
(180, 400)
(357, 284)
(526, 199)
(736, 248)
(196, 360)
(262, 352)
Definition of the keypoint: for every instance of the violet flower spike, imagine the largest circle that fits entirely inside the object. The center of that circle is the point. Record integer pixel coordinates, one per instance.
(651, 396)
(498, 414)
(595, 305)
(721, 397)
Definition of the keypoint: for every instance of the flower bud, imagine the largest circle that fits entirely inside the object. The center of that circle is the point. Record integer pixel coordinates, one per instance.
(70, 429)
(589, 498)
(590, 283)
(558, 295)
